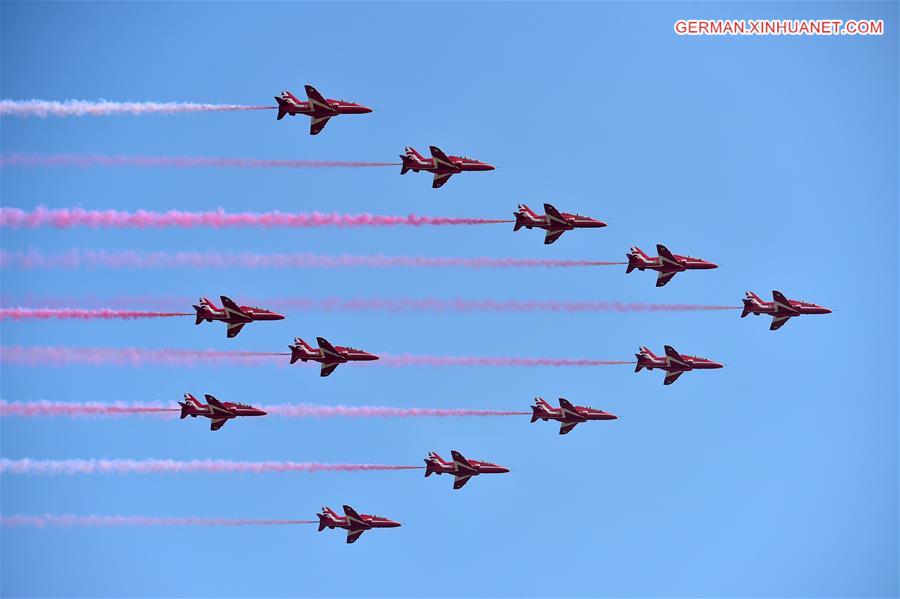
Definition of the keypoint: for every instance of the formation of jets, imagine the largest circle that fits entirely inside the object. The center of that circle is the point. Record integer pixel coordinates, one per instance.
(231, 314)
(328, 355)
(554, 222)
(217, 411)
(353, 522)
(317, 107)
(673, 363)
(780, 308)
(461, 468)
(666, 263)
(567, 414)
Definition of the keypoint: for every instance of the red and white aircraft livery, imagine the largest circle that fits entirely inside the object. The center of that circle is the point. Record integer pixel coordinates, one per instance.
(440, 164)
(328, 355)
(666, 264)
(567, 414)
(554, 222)
(461, 468)
(354, 523)
(231, 314)
(316, 107)
(217, 411)
(673, 363)
(780, 308)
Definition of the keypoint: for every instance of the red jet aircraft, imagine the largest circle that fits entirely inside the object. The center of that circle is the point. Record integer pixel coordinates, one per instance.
(554, 222)
(328, 355)
(354, 523)
(461, 468)
(440, 164)
(666, 264)
(215, 410)
(317, 107)
(673, 363)
(781, 308)
(231, 314)
(567, 414)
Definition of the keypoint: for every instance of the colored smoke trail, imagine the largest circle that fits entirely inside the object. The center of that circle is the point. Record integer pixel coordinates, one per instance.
(44, 408)
(128, 356)
(45, 108)
(68, 520)
(132, 356)
(212, 259)
(96, 409)
(413, 360)
(82, 314)
(64, 218)
(22, 159)
(370, 304)
(151, 466)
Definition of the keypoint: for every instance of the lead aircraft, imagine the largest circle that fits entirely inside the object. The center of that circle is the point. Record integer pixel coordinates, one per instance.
(780, 308)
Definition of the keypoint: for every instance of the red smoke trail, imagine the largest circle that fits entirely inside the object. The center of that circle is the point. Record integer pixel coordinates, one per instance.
(45, 408)
(45, 108)
(84, 409)
(82, 314)
(99, 356)
(411, 360)
(21, 159)
(213, 259)
(64, 218)
(396, 305)
(151, 466)
(67, 520)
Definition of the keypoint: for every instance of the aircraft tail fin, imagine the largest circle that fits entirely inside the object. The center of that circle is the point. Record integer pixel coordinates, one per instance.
(636, 259)
(199, 311)
(748, 307)
(406, 164)
(185, 410)
(282, 107)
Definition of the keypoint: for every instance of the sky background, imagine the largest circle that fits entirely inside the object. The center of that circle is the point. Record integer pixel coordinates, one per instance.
(776, 158)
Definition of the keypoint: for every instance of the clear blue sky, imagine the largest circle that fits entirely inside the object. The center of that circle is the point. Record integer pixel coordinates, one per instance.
(777, 158)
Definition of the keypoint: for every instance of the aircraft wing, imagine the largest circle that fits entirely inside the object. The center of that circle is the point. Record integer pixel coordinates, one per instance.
(565, 427)
(460, 481)
(552, 236)
(352, 514)
(316, 124)
(567, 406)
(327, 369)
(666, 255)
(783, 302)
(234, 329)
(440, 179)
(216, 406)
(233, 311)
(555, 214)
(217, 423)
(327, 347)
(441, 158)
(778, 322)
(664, 277)
(317, 99)
(672, 376)
(461, 462)
(353, 534)
(674, 356)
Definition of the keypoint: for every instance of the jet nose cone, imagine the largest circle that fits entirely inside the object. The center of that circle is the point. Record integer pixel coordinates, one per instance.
(825, 310)
(487, 167)
(364, 109)
(711, 265)
(278, 316)
(502, 469)
(261, 413)
(716, 365)
(612, 416)
(392, 524)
